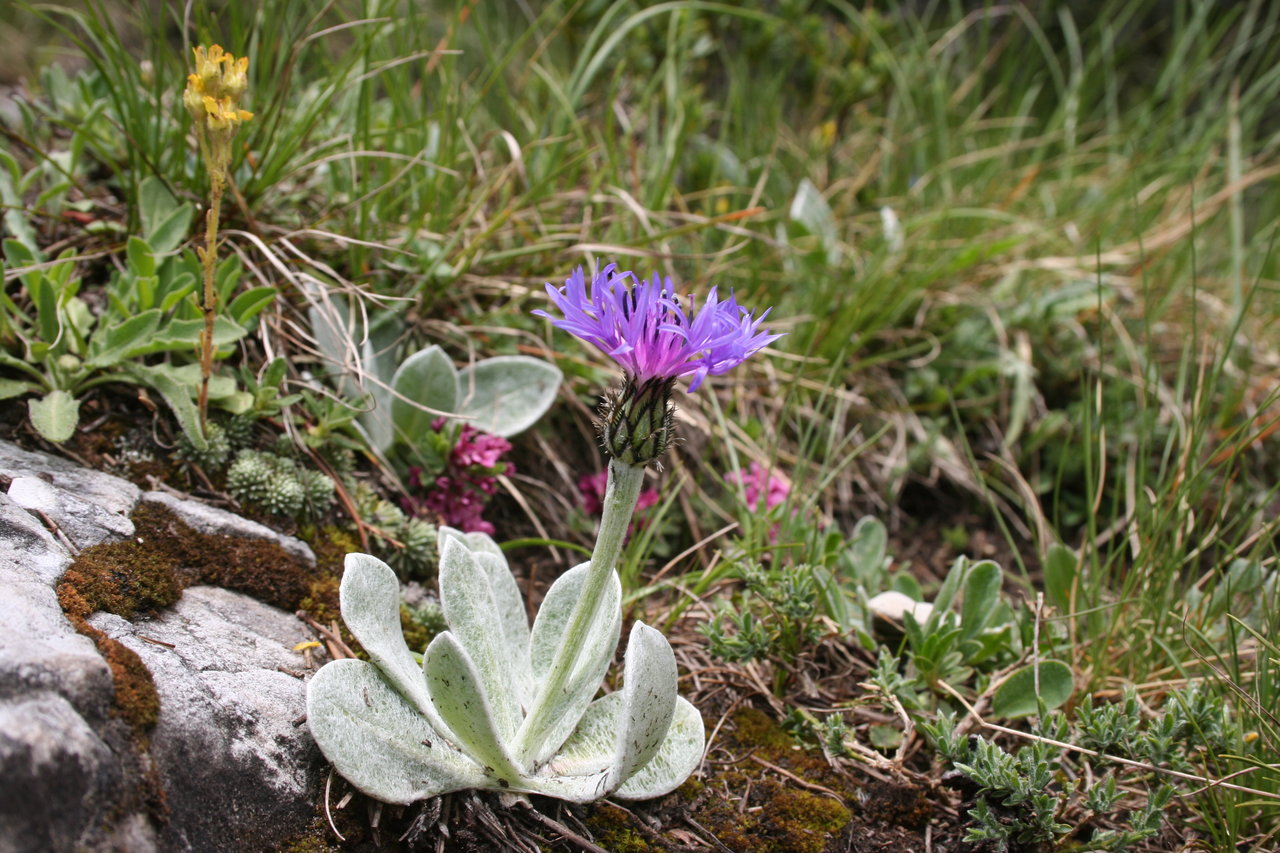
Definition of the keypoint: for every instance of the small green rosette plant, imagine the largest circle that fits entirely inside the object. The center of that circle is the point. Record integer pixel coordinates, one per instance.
(497, 703)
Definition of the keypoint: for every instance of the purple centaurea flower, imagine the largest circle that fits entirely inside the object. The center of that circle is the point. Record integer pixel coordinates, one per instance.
(642, 326)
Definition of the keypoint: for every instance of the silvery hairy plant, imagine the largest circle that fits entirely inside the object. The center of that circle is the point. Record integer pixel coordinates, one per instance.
(496, 703)
(464, 718)
(502, 395)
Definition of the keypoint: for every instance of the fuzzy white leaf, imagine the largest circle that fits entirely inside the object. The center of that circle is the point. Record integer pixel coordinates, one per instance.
(459, 696)
(508, 393)
(478, 542)
(426, 378)
(595, 653)
(513, 621)
(370, 599)
(378, 741)
(677, 757)
(466, 596)
(648, 701)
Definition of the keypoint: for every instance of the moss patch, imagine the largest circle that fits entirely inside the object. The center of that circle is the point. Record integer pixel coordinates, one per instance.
(613, 831)
(149, 572)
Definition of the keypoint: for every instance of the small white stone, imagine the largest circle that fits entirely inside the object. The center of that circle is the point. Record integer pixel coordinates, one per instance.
(893, 605)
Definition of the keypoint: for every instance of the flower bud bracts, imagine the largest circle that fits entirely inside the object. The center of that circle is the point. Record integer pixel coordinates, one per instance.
(636, 422)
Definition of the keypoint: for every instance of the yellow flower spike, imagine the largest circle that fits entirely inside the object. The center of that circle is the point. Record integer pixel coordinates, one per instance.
(212, 98)
(193, 96)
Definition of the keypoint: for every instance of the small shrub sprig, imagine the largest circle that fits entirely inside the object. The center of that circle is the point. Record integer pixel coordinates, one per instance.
(1024, 797)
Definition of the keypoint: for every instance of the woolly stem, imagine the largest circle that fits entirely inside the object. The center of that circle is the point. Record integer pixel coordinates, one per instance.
(620, 499)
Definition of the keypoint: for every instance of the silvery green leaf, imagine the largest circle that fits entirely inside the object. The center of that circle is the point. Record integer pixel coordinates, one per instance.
(176, 393)
(677, 757)
(55, 415)
(370, 600)
(377, 422)
(459, 695)
(475, 540)
(508, 393)
(648, 701)
(15, 388)
(595, 653)
(513, 622)
(426, 378)
(590, 750)
(467, 598)
(981, 598)
(378, 741)
(165, 221)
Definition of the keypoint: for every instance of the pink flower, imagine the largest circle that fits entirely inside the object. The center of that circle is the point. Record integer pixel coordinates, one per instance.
(758, 482)
(457, 496)
(458, 504)
(477, 448)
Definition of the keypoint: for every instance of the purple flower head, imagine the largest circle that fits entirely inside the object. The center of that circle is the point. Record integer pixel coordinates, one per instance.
(643, 326)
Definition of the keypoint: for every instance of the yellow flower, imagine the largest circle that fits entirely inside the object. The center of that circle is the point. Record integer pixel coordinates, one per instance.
(213, 91)
(222, 114)
(236, 77)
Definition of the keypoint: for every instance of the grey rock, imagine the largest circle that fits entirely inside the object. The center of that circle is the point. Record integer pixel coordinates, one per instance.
(203, 518)
(27, 547)
(39, 650)
(59, 777)
(82, 522)
(115, 495)
(229, 740)
(233, 769)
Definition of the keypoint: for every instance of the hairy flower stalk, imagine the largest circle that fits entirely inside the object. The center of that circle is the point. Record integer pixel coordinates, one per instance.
(641, 325)
(212, 97)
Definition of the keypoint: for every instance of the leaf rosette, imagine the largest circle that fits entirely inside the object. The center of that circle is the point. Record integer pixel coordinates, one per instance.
(401, 732)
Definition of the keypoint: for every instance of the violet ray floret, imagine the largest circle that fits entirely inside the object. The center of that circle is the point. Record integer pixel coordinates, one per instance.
(643, 326)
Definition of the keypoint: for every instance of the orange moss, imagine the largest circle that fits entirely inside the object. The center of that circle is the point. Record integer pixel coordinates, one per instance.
(119, 578)
(135, 699)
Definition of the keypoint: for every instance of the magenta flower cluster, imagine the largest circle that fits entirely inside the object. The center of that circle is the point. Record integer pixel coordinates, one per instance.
(644, 327)
(457, 496)
(762, 490)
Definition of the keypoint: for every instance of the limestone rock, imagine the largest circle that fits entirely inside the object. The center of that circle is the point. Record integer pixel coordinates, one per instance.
(60, 777)
(82, 522)
(229, 741)
(39, 650)
(113, 494)
(228, 765)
